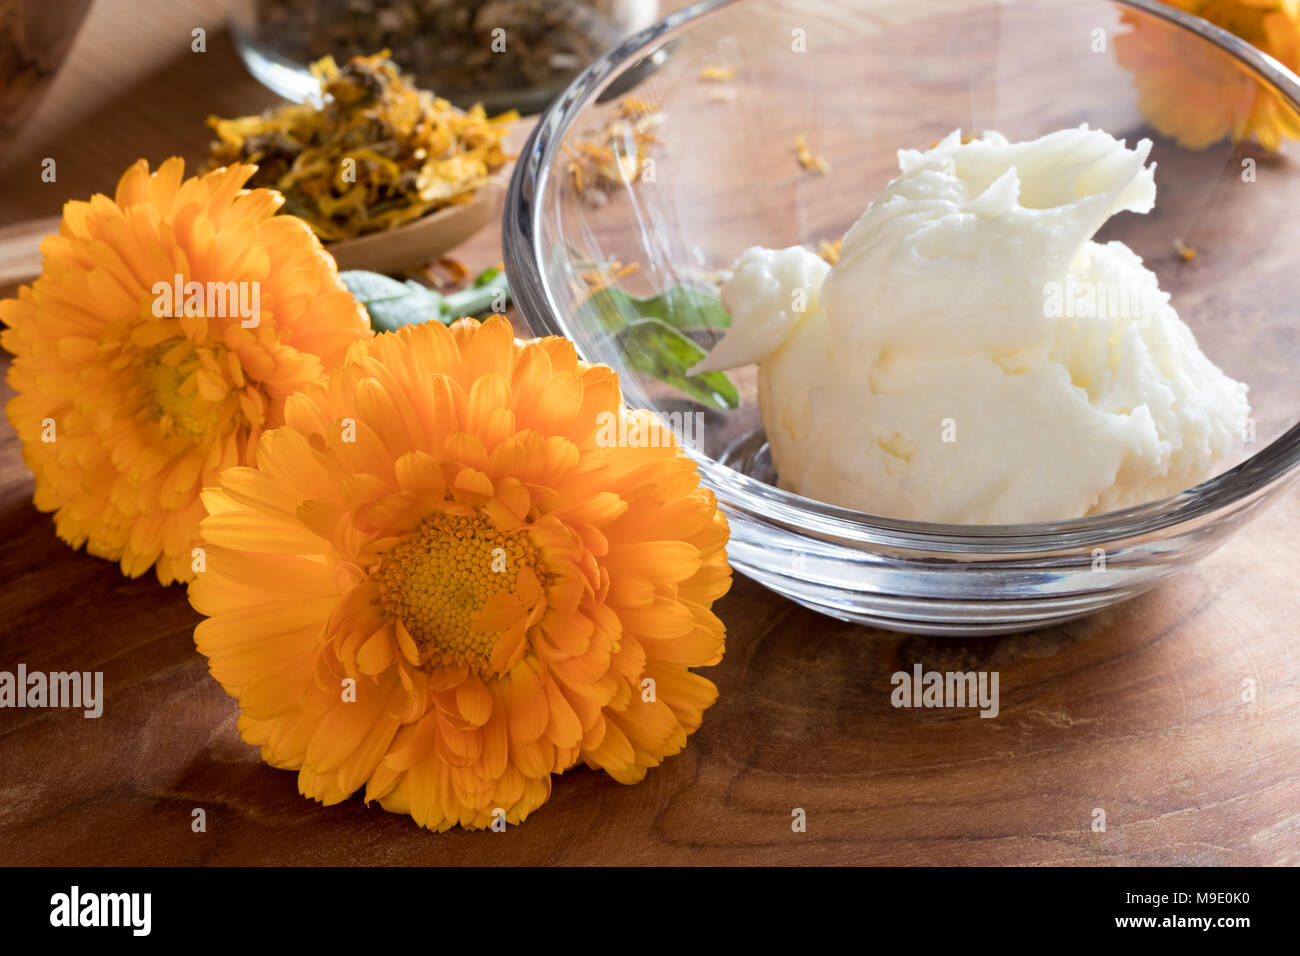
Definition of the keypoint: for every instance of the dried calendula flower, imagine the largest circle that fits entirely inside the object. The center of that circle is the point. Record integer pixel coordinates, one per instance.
(806, 158)
(617, 153)
(597, 279)
(967, 138)
(829, 249)
(453, 46)
(378, 154)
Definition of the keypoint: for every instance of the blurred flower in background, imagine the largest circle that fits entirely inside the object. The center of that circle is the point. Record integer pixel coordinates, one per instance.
(1197, 95)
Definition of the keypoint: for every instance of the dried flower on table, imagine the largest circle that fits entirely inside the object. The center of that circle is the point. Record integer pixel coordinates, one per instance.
(616, 154)
(806, 158)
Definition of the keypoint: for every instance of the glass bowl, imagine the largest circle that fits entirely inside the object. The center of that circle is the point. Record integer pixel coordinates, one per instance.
(860, 80)
(505, 54)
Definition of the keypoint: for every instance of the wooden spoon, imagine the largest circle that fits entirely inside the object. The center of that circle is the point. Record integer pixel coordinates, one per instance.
(396, 250)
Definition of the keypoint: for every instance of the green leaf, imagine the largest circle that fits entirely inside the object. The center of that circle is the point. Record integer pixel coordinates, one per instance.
(680, 306)
(608, 309)
(649, 330)
(392, 304)
(653, 347)
(389, 315)
(369, 287)
(488, 293)
(686, 307)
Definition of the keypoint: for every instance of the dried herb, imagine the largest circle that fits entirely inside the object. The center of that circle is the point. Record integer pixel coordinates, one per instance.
(458, 47)
(377, 154)
(617, 153)
(806, 157)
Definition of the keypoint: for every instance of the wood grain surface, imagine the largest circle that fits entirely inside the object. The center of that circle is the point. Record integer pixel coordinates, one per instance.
(1137, 711)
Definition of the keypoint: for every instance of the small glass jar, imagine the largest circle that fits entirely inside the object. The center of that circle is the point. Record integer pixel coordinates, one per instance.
(505, 54)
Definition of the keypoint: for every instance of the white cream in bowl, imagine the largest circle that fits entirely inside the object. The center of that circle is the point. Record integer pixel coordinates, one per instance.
(974, 357)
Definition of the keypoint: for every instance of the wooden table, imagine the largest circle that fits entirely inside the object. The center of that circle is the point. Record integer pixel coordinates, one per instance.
(1136, 711)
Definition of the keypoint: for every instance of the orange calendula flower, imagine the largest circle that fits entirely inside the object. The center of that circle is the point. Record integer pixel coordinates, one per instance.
(1196, 94)
(454, 573)
(166, 330)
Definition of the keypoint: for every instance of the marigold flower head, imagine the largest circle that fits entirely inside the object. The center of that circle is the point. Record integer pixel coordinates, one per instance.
(1196, 94)
(444, 531)
(131, 397)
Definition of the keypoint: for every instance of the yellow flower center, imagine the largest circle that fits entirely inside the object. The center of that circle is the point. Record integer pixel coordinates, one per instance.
(438, 578)
(175, 400)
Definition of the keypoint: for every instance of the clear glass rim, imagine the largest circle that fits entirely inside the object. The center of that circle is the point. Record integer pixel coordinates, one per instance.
(521, 241)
